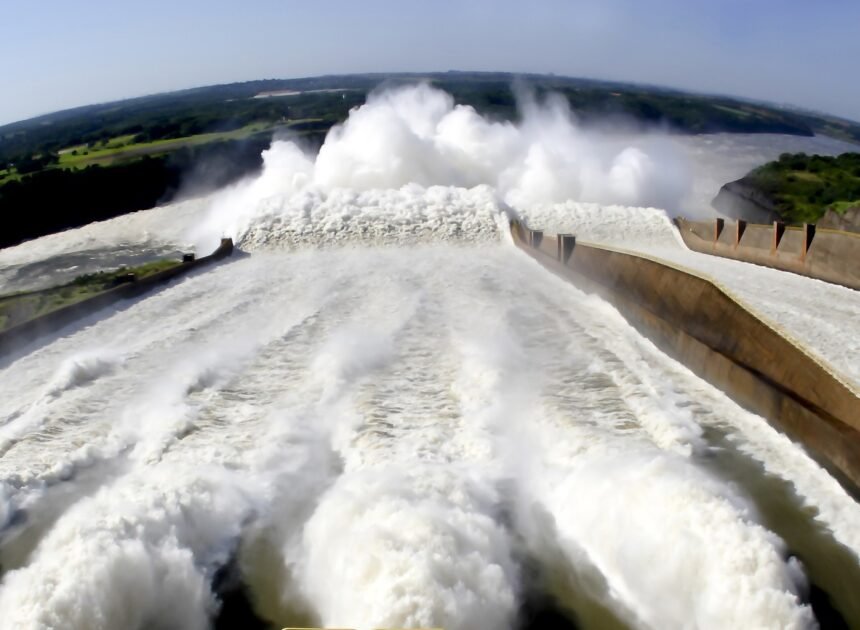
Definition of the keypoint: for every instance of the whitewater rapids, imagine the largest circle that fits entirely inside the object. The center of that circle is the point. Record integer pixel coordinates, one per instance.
(382, 437)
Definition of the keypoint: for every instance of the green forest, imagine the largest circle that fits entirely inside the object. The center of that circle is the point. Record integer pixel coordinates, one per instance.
(803, 187)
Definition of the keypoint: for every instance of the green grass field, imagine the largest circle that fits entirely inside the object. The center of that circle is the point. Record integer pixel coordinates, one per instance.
(122, 148)
(734, 110)
(119, 149)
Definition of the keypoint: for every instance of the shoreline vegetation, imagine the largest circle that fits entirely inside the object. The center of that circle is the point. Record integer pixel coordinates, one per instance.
(17, 308)
(798, 188)
(69, 168)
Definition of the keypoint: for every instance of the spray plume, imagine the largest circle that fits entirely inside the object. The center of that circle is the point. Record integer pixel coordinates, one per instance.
(411, 161)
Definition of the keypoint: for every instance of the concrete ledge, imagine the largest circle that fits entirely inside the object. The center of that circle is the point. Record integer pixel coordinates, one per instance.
(694, 320)
(825, 254)
(26, 332)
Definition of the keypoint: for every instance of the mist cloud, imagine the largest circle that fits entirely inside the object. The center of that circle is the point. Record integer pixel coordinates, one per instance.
(417, 137)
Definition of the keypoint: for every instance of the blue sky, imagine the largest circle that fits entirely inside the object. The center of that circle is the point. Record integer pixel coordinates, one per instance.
(58, 54)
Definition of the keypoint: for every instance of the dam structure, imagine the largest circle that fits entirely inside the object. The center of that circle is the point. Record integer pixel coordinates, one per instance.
(705, 327)
(826, 254)
(436, 390)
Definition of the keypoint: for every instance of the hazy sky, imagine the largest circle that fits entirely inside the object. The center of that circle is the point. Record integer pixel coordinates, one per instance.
(60, 53)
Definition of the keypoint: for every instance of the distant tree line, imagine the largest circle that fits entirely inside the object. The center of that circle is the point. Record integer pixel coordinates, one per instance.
(54, 200)
(685, 113)
(165, 118)
(226, 107)
(32, 164)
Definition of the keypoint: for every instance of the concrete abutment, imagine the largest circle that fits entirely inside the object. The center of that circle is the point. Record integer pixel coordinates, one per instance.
(699, 323)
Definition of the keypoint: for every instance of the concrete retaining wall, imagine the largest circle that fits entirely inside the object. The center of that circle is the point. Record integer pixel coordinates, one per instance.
(830, 255)
(699, 323)
(28, 331)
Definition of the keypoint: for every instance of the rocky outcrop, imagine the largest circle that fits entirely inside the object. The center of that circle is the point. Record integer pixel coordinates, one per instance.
(739, 200)
(848, 220)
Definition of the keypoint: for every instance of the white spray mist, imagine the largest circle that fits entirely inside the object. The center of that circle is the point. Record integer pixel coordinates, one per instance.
(415, 138)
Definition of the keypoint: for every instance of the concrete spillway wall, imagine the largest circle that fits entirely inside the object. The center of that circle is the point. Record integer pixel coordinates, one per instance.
(831, 255)
(699, 323)
(28, 331)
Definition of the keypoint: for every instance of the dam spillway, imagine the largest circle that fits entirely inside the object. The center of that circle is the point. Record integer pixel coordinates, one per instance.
(466, 413)
(720, 338)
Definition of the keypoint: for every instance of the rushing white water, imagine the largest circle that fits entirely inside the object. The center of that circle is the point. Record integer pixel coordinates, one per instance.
(416, 435)
(389, 407)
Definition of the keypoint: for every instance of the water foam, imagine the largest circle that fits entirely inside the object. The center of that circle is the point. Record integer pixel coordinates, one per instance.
(661, 531)
(393, 565)
(140, 553)
(620, 512)
(75, 371)
(621, 226)
(410, 214)
(411, 165)
(82, 369)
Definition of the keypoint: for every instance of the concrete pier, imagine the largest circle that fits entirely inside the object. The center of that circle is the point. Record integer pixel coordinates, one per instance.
(825, 254)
